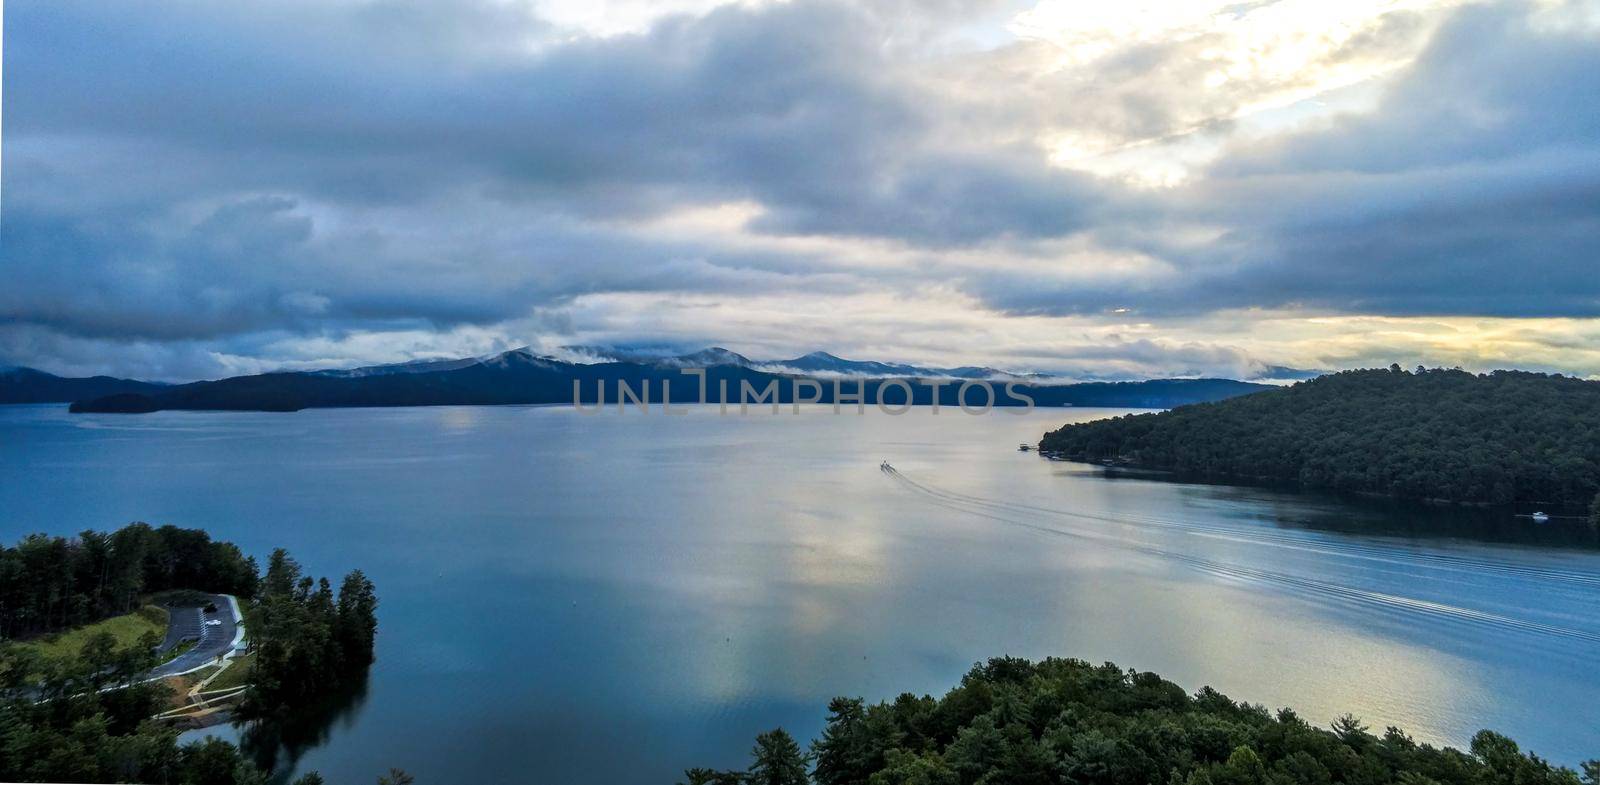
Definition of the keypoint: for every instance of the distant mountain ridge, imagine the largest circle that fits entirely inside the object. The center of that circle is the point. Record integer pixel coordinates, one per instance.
(26, 385)
(818, 362)
(521, 376)
(411, 366)
(823, 362)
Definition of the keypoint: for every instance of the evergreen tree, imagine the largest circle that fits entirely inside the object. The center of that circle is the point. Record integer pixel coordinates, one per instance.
(778, 760)
(357, 619)
(699, 776)
(59, 718)
(82, 734)
(1507, 436)
(52, 583)
(841, 753)
(396, 777)
(1068, 722)
(307, 641)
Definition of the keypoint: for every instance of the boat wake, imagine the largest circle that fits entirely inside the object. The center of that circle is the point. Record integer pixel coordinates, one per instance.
(1126, 530)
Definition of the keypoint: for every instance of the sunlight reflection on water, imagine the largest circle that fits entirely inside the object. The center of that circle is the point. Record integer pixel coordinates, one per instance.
(550, 581)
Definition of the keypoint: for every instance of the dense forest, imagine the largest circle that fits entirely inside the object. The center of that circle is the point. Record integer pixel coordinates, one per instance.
(306, 641)
(64, 729)
(86, 718)
(1066, 722)
(52, 583)
(26, 385)
(1507, 436)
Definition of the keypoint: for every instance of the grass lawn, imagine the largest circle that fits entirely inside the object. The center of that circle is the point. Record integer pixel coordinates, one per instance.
(236, 675)
(126, 628)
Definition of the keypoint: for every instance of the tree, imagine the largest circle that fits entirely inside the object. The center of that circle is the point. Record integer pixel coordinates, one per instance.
(1350, 730)
(357, 615)
(50, 583)
(212, 760)
(842, 753)
(1072, 723)
(778, 760)
(907, 768)
(1098, 758)
(1244, 767)
(1503, 437)
(977, 749)
(98, 655)
(396, 777)
(57, 720)
(699, 776)
(283, 573)
(307, 643)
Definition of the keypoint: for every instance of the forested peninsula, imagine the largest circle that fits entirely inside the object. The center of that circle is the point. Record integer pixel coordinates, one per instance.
(1066, 722)
(81, 695)
(1447, 435)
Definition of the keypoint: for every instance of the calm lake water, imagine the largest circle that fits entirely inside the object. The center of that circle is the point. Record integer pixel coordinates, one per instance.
(613, 598)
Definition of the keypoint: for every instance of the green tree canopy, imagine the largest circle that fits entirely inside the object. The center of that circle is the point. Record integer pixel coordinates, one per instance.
(1066, 722)
(1507, 436)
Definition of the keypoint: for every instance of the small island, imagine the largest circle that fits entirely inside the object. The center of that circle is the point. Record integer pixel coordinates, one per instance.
(1443, 435)
(112, 643)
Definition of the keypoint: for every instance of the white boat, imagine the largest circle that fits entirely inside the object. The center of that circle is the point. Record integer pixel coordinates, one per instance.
(1539, 517)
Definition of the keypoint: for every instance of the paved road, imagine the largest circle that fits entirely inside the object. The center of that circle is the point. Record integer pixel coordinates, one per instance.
(189, 624)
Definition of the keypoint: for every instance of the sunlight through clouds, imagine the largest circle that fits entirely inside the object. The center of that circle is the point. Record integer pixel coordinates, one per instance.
(1248, 62)
(1098, 190)
(605, 18)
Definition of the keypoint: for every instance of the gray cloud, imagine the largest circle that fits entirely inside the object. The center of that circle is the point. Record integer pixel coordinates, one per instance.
(1472, 189)
(242, 182)
(796, 106)
(219, 179)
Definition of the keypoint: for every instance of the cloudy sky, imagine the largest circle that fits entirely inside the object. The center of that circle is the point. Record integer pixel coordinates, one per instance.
(195, 189)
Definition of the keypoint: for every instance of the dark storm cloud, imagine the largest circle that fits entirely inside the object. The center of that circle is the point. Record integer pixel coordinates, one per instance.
(215, 141)
(795, 106)
(188, 171)
(253, 264)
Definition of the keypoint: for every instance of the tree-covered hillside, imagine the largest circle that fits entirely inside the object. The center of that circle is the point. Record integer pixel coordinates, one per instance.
(89, 716)
(26, 385)
(1066, 722)
(1502, 437)
(53, 583)
(521, 377)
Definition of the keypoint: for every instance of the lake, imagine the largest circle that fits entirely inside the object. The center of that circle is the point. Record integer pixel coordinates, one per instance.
(611, 598)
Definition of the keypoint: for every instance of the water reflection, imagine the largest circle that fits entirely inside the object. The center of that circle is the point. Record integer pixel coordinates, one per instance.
(278, 745)
(613, 598)
(1374, 515)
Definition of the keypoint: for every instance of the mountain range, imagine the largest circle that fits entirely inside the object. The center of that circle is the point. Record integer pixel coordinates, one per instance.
(815, 363)
(521, 376)
(26, 385)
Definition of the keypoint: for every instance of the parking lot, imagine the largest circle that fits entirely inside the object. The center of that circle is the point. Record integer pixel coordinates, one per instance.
(193, 623)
